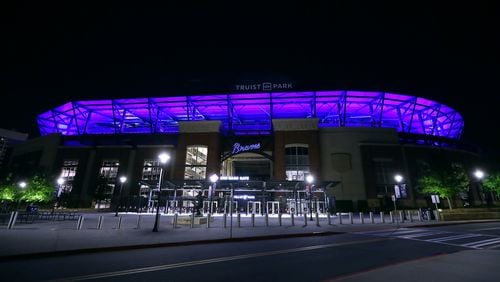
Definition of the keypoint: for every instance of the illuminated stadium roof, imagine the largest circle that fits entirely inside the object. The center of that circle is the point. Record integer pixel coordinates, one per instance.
(253, 113)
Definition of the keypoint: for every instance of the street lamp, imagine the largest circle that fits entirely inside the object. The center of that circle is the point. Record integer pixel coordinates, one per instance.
(60, 182)
(123, 179)
(213, 178)
(397, 192)
(163, 157)
(310, 180)
(479, 174)
(22, 185)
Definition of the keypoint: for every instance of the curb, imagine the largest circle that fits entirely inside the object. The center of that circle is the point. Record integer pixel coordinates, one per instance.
(161, 245)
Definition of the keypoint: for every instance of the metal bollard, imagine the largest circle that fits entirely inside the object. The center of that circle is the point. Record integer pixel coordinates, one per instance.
(317, 219)
(428, 215)
(174, 222)
(340, 217)
(382, 217)
(253, 220)
(401, 217)
(305, 219)
(361, 218)
(371, 218)
(99, 222)
(192, 221)
(79, 224)
(238, 218)
(292, 216)
(279, 218)
(12, 220)
(410, 216)
(420, 215)
(329, 218)
(351, 218)
(119, 225)
(391, 216)
(225, 220)
(436, 214)
(209, 216)
(267, 219)
(139, 219)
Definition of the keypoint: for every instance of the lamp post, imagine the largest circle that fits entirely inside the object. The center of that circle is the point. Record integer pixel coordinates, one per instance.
(213, 178)
(163, 157)
(123, 179)
(310, 180)
(60, 182)
(22, 185)
(479, 174)
(397, 190)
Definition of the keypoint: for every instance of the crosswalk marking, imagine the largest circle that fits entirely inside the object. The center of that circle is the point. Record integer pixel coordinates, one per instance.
(467, 240)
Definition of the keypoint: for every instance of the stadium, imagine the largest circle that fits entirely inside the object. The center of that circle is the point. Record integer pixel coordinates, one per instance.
(288, 152)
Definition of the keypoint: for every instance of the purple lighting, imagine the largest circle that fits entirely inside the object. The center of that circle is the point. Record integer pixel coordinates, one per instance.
(253, 113)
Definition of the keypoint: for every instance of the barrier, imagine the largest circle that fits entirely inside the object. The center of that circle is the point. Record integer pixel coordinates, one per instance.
(329, 218)
(420, 216)
(176, 217)
(382, 217)
(253, 220)
(292, 217)
(279, 218)
(305, 219)
(317, 219)
(410, 216)
(238, 219)
(351, 220)
(209, 217)
(225, 220)
(371, 218)
(267, 219)
(391, 216)
(340, 217)
(361, 218)
(191, 223)
(401, 217)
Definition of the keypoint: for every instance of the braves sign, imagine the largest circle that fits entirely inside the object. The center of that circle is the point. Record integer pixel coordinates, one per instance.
(238, 148)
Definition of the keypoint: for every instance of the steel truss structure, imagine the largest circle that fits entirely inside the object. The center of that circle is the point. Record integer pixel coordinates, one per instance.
(252, 114)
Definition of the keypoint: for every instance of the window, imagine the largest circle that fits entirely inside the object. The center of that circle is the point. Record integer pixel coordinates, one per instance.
(151, 170)
(107, 173)
(68, 172)
(384, 176)
(196, 162)
(296, 161)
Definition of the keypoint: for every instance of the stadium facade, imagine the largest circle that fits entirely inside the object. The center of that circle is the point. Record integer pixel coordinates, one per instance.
(262, 147)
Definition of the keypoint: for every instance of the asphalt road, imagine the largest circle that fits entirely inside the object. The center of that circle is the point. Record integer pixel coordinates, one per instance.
(461, 253)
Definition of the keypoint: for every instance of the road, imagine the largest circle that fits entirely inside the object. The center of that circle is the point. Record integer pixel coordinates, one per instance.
(467, 252)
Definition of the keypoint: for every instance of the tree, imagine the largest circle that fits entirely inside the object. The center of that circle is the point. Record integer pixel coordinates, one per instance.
(39, 190)
(446, 182)
(492, 183)
(8, 192)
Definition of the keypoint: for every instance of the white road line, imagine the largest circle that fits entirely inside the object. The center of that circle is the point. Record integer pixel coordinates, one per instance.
(420, 234)
(207, 261)
(482, 243)
(484, 229)
(454, 237)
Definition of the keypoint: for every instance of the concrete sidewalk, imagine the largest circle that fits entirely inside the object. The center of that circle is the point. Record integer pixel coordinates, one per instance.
(49, 238)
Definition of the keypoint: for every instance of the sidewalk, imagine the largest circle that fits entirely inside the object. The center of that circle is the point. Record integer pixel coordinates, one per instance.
(49, 238)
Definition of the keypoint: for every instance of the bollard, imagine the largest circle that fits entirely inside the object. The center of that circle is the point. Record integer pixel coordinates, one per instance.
(225, 220)
(12, 220)
(99, 222)
(79, 224)
(267, 219)
(191, 225)
(174, 222)
(351, 218)
(305, 219)
(410, 216)
(361, 218)
(391, 216)
(139, 219)
(382, 217)
(119, 225)
(292, 216)
(340, 217)
(428, 215)
(209, 216)
(436, 214)
(401, 217)
(371, 218)
(238, 218)
(253, 220)
(329, 218)
(317, 219)
(279, 218)
(419, 215)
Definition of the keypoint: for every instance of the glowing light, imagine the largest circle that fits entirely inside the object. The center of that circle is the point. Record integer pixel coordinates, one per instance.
(164, 157)
(398, 178)
(479, 174)
(123, 179)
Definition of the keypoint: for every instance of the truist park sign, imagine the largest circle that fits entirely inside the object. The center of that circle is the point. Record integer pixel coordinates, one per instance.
(239, 148)
(264, 86)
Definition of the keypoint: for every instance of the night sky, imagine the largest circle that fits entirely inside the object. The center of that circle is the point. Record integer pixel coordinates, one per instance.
(52, 54)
